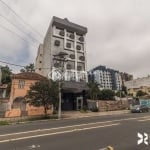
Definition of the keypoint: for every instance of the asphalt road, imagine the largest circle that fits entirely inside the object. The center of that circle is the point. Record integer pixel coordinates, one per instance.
(91, 133)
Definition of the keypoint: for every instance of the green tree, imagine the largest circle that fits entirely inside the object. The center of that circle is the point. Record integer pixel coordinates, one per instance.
(28, 68)
(6, 74)
(140, 93)
(120, 94)
(93, 90)
(124, 89)
(106, 94)
(6, 78)
(43, 93)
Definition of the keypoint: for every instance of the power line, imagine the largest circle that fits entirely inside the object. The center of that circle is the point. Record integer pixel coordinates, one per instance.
(13, 33)
(5, 62)
(18, 27)
(11, 64)
(35, 31)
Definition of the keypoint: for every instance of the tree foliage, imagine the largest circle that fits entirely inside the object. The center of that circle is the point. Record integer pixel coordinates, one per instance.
(124, 90)
(106, 94)
(93, 90)
(140, 93)
(28, 68)
(6, 74)
(120, 94)
(6, 78)
(43, 93)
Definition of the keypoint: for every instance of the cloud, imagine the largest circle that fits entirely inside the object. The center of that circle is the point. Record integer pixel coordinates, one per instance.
(118, 31)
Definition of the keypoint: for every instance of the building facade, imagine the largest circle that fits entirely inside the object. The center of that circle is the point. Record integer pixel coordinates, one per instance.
(39, 60)
(20, 86)
(66, 37)
(136, 85)
(106, 78)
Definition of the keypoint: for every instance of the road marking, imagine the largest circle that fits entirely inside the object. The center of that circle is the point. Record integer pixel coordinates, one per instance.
(60, 132)
(142, 120)
(34, 146)
(49, 129)
(107, 148)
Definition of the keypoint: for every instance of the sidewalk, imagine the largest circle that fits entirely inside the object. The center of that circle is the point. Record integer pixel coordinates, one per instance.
(78, 114)
(66, 115)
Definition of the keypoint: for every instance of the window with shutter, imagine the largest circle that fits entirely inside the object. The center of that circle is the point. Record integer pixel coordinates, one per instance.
(68, 45)
(57, 43)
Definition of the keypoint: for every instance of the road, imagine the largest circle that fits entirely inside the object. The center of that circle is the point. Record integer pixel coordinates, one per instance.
(90, 133)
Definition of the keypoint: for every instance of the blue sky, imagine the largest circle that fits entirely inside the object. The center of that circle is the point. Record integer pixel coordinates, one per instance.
(118, 31)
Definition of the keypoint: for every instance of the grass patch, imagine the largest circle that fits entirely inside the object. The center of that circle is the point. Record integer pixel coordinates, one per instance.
(2, 123)
(42, 118)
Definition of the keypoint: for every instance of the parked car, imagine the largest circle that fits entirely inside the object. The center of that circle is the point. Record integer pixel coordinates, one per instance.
(139, 108)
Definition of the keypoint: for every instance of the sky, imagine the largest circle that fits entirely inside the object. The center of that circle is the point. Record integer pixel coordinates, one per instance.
(118, 31)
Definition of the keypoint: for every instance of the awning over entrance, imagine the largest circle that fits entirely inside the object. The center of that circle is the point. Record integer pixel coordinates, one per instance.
(75, 87)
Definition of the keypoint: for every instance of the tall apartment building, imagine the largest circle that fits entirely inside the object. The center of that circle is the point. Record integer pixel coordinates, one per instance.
(66, 37)
(107, 78)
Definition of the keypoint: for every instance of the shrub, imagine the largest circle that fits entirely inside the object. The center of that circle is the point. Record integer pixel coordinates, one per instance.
(95, 109)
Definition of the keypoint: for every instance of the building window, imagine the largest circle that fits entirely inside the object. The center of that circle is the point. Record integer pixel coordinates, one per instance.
(72, 56)
(39, 69)
(79, 68)
(68, 45)
(21, 84)
(78, 47)
(82, 58)
(40, 61)
(62, 33)
(69, 66)
(81, 39)
(72, 36)
(57, 43)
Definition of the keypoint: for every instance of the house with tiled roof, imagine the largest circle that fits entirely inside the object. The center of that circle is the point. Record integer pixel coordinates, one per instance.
(21, 84)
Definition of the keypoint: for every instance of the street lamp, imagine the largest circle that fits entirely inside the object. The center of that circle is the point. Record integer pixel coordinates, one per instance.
(60, 60)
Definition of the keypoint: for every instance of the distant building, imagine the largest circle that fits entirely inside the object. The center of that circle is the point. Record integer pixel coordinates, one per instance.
(66, 37)
(106, 77)
(135, 85)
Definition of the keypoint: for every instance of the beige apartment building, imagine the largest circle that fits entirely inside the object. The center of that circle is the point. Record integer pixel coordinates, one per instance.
(68, 38)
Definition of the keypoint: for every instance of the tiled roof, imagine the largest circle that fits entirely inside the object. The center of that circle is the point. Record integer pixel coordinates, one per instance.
(28, 75)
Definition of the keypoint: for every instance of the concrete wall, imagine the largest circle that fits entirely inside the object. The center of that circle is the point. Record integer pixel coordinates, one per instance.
(13, 113)
(31, 111)
(104, 105)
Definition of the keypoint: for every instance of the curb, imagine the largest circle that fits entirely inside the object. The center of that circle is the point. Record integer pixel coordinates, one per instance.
(93, 115)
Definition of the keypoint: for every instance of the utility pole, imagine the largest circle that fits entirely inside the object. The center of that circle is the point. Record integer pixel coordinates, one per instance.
(60, 58)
